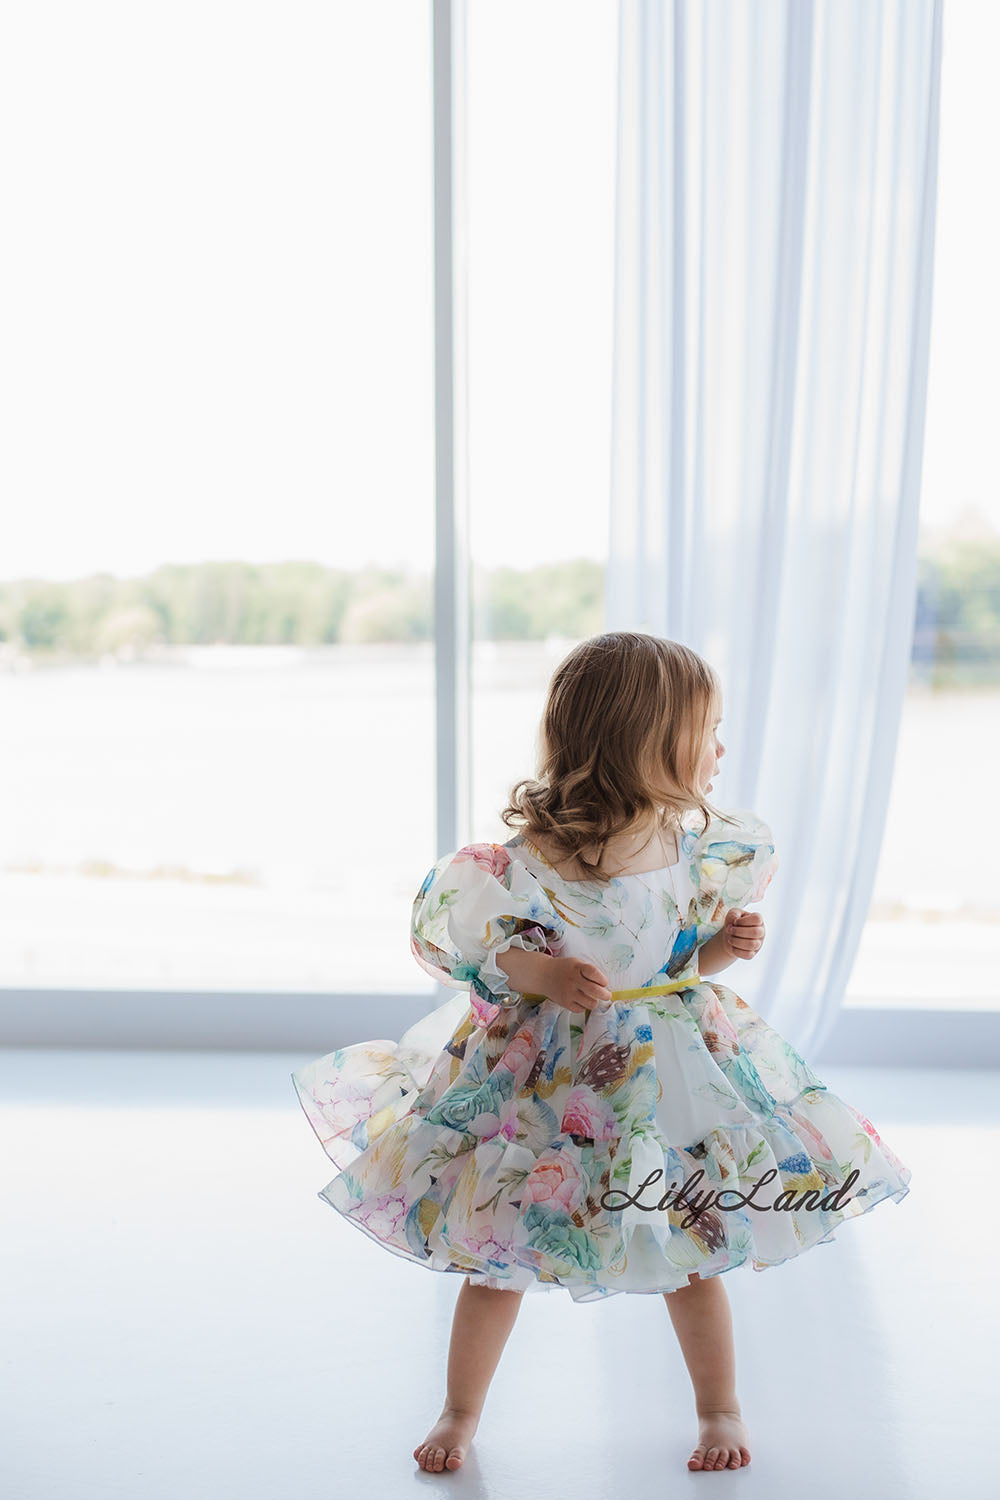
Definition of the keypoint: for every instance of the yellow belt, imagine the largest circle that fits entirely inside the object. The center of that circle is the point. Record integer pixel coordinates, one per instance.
(656, 989)
(644, 989)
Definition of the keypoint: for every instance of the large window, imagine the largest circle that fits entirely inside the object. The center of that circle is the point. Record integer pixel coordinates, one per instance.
(216, 653)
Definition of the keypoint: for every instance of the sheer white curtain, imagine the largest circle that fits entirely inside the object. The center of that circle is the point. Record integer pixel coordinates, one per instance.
(776, 186)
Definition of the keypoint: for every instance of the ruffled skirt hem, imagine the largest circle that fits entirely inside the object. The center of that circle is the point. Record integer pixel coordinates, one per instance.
(518, 1278)
(492, 1153)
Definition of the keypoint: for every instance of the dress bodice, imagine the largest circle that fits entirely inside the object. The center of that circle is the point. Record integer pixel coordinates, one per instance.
(640, 929)
(636, 928)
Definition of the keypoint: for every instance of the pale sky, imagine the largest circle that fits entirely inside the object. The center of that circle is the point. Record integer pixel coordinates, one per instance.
(216, 329)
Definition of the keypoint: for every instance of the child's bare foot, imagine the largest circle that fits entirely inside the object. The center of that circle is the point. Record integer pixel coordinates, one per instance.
(447, 1443)
(722, 1440)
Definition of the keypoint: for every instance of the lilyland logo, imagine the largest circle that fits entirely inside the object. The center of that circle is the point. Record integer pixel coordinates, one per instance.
(791, 1204)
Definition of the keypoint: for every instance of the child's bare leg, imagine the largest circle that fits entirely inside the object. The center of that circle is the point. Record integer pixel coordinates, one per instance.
(482, 1322)
(703, 1323)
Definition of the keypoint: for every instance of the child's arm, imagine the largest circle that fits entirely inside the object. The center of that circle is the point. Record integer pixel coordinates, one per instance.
(524, 969)
(577, 984)
(740, 937)
(712, 956)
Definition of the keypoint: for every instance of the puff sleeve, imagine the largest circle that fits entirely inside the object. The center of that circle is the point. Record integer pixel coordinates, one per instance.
(472, 906)
(734, 863)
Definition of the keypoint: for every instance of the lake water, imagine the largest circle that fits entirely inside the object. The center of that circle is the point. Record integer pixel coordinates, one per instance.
(257, 817)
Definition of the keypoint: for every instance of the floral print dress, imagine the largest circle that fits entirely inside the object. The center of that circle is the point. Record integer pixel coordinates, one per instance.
(529, 1147)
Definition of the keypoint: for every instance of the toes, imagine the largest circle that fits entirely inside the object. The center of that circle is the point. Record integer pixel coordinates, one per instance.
(718, 1457)
(430, 1458)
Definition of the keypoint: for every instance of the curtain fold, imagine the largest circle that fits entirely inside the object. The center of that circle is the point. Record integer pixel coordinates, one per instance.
(774, 250)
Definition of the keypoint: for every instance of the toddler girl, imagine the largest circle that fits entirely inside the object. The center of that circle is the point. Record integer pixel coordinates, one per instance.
(592, 1111)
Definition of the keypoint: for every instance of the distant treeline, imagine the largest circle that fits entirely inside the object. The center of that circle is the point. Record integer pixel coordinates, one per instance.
(956, 626)
(287, 603)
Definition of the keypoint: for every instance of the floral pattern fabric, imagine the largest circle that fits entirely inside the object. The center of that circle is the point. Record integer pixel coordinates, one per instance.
(531, 1148)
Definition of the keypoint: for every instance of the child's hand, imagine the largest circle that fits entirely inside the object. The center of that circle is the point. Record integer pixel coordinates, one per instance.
(576, 984)
(742, 934)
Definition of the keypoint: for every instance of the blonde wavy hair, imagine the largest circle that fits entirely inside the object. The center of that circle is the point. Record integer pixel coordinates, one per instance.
(622, 708)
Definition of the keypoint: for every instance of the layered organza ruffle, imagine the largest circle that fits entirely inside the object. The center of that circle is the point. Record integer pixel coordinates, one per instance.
(548, 1149)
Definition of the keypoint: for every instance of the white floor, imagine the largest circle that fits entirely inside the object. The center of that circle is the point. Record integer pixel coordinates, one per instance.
(184, 1319)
